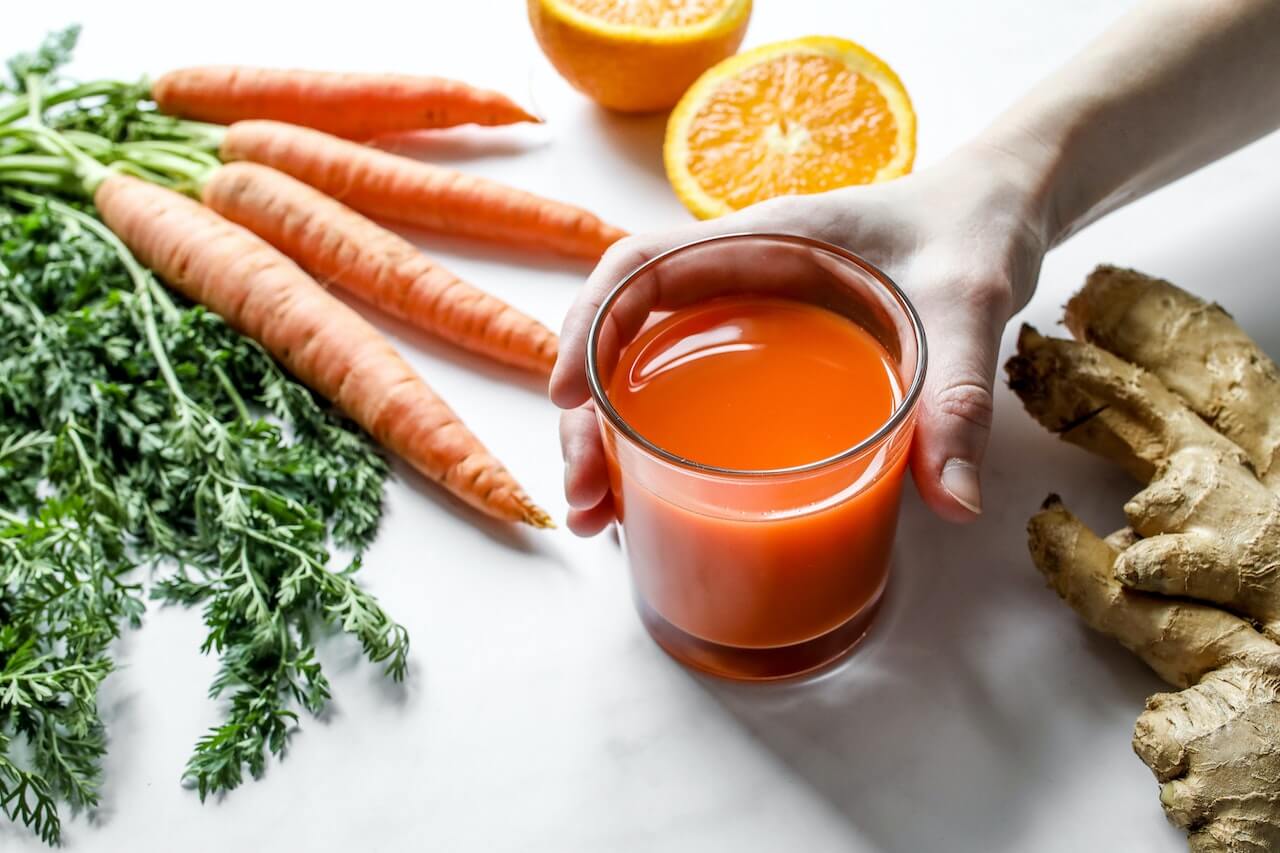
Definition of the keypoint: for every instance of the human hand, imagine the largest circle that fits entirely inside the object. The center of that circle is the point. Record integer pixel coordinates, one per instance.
(964, 239)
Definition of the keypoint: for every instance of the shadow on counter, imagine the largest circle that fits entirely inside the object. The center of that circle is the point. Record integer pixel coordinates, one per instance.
(934, 726)
(912, 739)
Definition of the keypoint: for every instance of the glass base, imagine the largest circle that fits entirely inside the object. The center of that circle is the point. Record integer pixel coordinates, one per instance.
(747, 664)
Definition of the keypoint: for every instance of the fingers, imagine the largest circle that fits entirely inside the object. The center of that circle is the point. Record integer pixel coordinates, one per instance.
(568, 386)
(956, 404)
(589, 522)
(586, 479)
(697, 275)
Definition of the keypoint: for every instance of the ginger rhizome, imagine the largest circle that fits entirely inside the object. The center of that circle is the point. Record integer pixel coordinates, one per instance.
(1171, 389)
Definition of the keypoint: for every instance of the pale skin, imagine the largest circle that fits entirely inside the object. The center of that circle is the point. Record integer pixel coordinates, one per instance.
(1172, 86)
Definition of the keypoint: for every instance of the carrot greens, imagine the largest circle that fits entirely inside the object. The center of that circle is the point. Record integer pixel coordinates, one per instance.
(145, 444)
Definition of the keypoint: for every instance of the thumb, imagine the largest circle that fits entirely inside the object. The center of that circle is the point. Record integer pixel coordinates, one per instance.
(956, 403)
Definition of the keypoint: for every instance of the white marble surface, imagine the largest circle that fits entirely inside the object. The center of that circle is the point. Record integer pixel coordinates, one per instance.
(979, 717)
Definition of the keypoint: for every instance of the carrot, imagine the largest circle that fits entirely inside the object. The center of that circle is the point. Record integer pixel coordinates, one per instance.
(355, 106)
(335, 244)
(326, 344)
(388, 186)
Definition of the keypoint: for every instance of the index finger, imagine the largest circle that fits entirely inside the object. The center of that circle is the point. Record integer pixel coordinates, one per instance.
(568, 385)
(700, 275)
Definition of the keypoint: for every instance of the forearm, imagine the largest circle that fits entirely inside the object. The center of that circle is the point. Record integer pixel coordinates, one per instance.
(1172, 86)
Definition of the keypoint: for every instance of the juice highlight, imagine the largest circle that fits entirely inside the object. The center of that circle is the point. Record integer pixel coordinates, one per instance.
(755, 383)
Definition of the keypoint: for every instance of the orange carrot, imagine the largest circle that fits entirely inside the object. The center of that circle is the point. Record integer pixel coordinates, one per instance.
(356, 106)
(335, 244)
(328, 346)
(388, 186)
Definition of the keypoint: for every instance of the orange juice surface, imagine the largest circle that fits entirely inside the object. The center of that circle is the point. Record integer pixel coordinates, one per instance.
(753, 383)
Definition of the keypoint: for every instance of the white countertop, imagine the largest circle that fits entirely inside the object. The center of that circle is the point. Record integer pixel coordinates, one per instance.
(979, 716)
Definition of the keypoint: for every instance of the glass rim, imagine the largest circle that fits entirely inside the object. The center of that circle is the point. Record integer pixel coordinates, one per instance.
(900, 413)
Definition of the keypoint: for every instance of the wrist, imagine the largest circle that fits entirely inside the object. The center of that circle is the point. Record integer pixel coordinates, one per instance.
(1026, 173)
(1011, 203)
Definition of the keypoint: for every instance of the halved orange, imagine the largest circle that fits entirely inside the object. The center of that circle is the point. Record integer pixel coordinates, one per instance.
(788, 118)
(637, 55)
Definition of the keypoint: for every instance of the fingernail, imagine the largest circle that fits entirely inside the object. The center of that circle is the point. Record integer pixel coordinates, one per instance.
(960, 480)
(569, 491)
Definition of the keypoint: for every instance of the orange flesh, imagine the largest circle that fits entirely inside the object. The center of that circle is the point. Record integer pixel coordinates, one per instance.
(755, 383)
(650, 13)
(797, 123)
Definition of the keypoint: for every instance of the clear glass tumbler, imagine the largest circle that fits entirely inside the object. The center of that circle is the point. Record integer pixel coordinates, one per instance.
(758, 574)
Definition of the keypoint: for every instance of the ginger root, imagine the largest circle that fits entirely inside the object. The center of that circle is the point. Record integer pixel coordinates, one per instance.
(1171, 389)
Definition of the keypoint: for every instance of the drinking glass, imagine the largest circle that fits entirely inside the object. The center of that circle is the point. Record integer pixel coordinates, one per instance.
(758, 574)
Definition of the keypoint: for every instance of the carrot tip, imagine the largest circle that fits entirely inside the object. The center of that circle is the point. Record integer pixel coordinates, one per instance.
(537, 517)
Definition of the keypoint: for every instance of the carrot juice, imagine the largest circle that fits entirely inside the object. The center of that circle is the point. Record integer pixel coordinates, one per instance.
(755, 474)
(755, 382)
